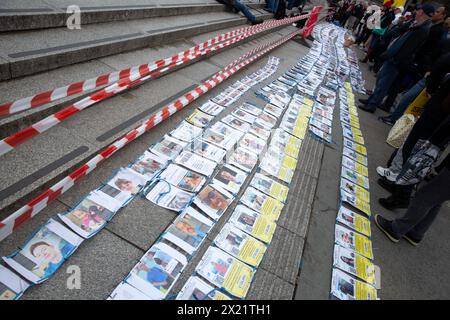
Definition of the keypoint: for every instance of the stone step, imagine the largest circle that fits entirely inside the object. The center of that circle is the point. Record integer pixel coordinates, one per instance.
(16, 18)
(29, 52)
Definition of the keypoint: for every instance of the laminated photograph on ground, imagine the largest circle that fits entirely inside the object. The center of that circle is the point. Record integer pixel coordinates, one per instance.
(355, 146)
(290, 148)
(226, 130)
(322, 119)
(124, 291)
(11, 286)
(266, 120)
(168, 148)
(355, 166)
(168, 196)
(287, 81)
(355, 177)
(244, 116)
(353, 263)
(278, 85)
(230, 178)
(350, 135)
(240, 245)
(186, 132)
(197, 289)
(188, 230)
(42, 255)
(260, 131)
(273, 168)
(273, 110)
(354, 221)
(243, 159)
(196, 163)
(252, 143)
(354, 155)
(182, 178)
(326, 97)
(226, 142)
(253, 223)
(351, 120)
(319, 125)
(157, 271)
(213, 201)
(91, 214)
(211, 108)
(251, 108)
(149, 165)
(281, 159)
(223, 99)
(355, 190)
(128, 181)
(355, 202)
(352, 240)
(207, 150)
(345, 287)
(270, 187)
(199, 119)
(262, 203)
(353, 130)
(224, 271)
(114, 193)
(236, 123)
(320, 134)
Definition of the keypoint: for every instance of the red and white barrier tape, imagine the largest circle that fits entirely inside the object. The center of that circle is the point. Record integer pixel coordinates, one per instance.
(85, 86)
(9, 143)
(11, 223)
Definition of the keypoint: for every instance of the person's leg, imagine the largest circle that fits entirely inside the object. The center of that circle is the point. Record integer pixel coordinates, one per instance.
(385, 78)
(407, 98)
(245, 10)
(424, 207)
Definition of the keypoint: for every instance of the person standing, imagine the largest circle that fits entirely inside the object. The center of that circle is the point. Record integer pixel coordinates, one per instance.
(422, 211)
(398, 55)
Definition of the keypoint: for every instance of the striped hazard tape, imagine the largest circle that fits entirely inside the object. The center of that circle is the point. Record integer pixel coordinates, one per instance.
(85, 86)
(11, 223)
(14, 140)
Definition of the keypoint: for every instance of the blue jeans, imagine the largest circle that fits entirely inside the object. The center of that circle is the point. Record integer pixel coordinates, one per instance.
(385, 78)
(407, 98)
(245, 10)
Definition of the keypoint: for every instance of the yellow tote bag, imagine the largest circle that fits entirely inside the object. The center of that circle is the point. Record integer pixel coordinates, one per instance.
(416, 107)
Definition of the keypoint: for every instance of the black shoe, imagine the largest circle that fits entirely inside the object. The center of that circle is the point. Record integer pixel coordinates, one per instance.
(393, 202)
(386, 185)
(386, 227)
(384, 108)
(257, 21)
(387, 120)
(364, 101)
(412, 239)
(367, 108)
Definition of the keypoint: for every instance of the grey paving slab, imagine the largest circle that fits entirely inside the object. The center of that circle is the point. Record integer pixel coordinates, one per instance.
(267, 286)
(91, 123)
(141, 222)
(33, 155)
(284, 255)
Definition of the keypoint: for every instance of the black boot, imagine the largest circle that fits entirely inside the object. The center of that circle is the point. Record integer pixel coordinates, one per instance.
(392, 202)
(386, 185)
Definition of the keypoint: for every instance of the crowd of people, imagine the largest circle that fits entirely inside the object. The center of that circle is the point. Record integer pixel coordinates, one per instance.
(409, 52)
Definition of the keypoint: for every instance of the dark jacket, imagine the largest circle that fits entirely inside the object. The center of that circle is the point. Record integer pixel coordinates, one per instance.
(438, 73)
(431, 49)
(402, 50)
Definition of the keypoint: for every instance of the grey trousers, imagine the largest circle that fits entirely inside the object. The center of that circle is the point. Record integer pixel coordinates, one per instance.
(424, 207)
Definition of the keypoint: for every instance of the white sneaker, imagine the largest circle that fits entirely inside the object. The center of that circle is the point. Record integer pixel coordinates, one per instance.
(386, 173)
